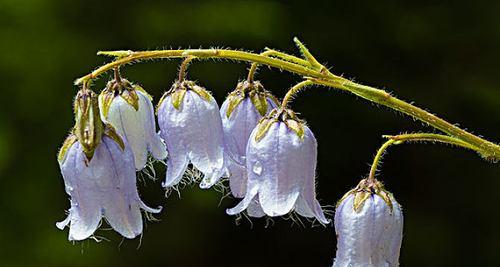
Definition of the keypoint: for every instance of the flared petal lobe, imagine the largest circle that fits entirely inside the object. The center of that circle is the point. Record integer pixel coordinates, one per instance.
(238, 125)
(105, 187)
(137, 127)
(193, 133)
(369, 235)
(281, 172)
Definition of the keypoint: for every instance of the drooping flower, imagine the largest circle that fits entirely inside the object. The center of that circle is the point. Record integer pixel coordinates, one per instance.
(240, 113)
(99, 176)
(191, 126)
(128, 108)
(281, 163)
(369, 227)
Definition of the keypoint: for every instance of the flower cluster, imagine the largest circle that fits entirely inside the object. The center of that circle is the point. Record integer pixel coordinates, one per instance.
(266, 151)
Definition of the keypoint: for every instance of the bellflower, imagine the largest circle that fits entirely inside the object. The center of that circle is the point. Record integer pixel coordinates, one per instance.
(281, 163)
(99, 176)
(191, 126)
(129, 110)
(240, 113)
(369, 225)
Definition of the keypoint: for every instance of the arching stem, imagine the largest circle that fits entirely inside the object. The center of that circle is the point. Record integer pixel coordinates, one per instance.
(417, 137)
(292, 91)
(487, 149)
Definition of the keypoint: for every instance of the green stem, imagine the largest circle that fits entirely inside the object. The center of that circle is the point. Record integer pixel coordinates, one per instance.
(487, 149)
(377, 158)
(271, 52)
(292, 91)
(416, 137)
(183, 68)
(318, 75)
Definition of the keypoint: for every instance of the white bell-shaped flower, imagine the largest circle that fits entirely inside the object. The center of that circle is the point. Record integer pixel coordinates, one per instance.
(129, 110)
(369, 227)
(281, 167)
(240, 113)
(191, 126)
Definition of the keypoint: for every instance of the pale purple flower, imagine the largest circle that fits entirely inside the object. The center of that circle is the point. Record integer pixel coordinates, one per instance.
(102, 187)
(191, 126)
(369, 228)
(129, 110)
(240, 113)
(281, 163)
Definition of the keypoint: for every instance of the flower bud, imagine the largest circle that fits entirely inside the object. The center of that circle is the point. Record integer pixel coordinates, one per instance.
(369, 227)
(128, 108)
(191, 126)
(281, 164)
(88, 125)
(240, 113)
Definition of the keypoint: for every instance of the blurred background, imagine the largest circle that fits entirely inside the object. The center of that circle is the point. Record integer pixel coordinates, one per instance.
(442, 56)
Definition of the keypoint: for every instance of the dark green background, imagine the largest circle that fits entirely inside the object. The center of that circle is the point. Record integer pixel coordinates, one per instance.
(443, 56)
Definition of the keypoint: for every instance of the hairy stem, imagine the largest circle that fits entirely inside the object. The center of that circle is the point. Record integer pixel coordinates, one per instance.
(271, 52)
(416, 137)
(318, 75)
(183, 68)
(292, 91)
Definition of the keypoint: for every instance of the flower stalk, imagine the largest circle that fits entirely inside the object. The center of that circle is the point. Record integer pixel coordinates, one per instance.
(315, 73)
(415, 137)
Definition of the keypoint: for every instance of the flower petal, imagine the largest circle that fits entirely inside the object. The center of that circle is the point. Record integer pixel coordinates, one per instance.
(155, 144)
(389, 235)
(85, 212)
(204, 137)
(121, 200)
(271, 161)
(254, 209)
(172, 123)
(237, 179)
(129, 124)
(250, 198)
(354, 246)
(307, 205)
(237, 129)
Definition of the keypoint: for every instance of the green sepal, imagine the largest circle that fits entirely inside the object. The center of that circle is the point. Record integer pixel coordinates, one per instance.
(177, 97)
(259, 101)
(386, 196)
(124, 89)
(263, 128)
(88, 126)
(131, 97)
(359, 200)
(364, 190)
(106, 97)
(110, 131)
(70, 140)
(297, 127)
(234, 100)
(292, 122)
(201, 92)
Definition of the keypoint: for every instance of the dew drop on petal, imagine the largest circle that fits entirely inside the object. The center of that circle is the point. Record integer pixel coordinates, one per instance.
(257, 168)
